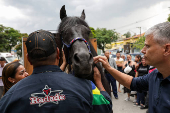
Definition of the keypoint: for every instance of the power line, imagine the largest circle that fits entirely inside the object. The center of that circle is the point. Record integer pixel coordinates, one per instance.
(127, 29)
(140, 20)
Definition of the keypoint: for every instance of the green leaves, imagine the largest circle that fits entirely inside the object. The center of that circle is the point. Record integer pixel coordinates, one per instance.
(140, 43)
(93, 33)
(168, 18)
(8, 38)
(128, 34)
(104, 37)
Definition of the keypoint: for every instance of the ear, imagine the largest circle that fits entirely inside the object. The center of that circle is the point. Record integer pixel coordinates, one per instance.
(59, 45)
(83, 16)
(12, 80)
(28, 59)
(58, 53)
(167, 50)
(63, 12)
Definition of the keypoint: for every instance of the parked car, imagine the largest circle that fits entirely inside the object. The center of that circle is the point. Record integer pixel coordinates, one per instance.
(8, 57)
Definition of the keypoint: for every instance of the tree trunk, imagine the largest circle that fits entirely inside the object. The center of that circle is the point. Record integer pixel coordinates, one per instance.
(103, 49)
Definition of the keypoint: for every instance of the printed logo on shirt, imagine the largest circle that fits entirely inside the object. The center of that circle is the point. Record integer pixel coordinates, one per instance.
(46, 97)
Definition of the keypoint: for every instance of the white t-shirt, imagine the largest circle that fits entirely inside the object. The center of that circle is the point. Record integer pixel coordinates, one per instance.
(1, 68)
(120, 59)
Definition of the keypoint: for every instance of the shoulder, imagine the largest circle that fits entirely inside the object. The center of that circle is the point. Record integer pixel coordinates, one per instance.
(134, 63)
(112, 59)
(152, 76)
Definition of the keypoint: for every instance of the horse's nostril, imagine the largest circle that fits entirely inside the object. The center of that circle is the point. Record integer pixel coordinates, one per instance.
(82, 57)
(76, 58)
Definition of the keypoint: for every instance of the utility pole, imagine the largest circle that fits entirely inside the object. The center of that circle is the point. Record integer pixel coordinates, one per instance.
(140, 30)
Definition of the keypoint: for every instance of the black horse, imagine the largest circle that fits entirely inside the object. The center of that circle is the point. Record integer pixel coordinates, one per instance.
(73, 37)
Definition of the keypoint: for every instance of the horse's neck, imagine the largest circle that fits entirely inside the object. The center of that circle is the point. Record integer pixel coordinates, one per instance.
(92, 50)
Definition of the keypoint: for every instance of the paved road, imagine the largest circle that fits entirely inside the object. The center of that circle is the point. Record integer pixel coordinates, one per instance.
(122, 106)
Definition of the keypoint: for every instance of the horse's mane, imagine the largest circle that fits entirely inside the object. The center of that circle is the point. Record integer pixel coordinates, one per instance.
(69, 22)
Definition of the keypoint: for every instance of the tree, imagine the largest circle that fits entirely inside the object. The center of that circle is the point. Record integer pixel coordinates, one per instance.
(3, 37)
(140, 43)
(19, 49)
(8, 38)
(104, 37)
(168, 18)
(93, 33)
(19, 46)
(128, 34)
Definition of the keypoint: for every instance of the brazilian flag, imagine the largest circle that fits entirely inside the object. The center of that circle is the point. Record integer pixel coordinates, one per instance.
(98, 98)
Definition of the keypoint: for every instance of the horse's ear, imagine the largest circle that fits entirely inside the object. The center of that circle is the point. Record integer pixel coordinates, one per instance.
(83, 16)
(63, 12)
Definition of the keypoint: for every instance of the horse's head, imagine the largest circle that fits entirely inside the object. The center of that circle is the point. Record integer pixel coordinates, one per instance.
(74, 34)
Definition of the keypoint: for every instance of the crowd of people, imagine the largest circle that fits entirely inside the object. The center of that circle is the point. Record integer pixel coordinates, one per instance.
(135, 68)
(156, 53)
(49, 89)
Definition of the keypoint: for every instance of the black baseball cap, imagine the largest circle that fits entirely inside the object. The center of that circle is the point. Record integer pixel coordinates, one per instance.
(2, 59)
(41, 44)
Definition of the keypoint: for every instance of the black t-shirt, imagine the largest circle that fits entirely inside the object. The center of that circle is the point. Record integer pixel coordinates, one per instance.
(142, 70)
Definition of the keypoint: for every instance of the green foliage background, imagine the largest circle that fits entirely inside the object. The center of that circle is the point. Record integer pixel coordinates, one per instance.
(168, 18)
(9, 37)
(104, 37)
(140, 43)
(128, 34)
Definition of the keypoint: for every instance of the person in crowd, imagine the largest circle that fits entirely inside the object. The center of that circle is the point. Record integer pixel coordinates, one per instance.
(2, 64)
(11, 74)
(123, 57)
(142, 70)
(110, 77)
(156, 53)
(48, 89)
(137, 60)
(119, 63)
(131, 64)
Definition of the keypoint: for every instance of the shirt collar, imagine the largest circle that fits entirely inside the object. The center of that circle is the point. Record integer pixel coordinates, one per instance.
(46, 68)
(159, 75)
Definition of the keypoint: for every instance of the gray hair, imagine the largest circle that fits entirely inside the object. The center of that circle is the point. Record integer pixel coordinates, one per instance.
(160, 32)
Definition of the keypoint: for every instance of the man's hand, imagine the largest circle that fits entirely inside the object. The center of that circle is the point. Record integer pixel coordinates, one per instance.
(64, 58)
(97, 75)
(64, 64)
(97, 79)
(103, 60)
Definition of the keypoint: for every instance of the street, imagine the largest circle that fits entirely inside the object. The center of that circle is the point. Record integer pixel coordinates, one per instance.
(122, 106)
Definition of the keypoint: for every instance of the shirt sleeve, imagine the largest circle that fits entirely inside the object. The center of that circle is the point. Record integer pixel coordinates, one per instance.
(140, 83)
(114, 63)
(102, 102)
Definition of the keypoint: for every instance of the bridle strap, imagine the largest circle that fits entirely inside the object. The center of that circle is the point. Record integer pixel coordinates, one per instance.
(70, 44)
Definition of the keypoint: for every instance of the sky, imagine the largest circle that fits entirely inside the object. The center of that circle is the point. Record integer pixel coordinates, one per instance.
(122, 15)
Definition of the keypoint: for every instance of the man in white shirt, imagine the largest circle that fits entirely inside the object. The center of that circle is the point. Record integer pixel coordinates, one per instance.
(2, 64)
(109, 76)
(119, 63)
